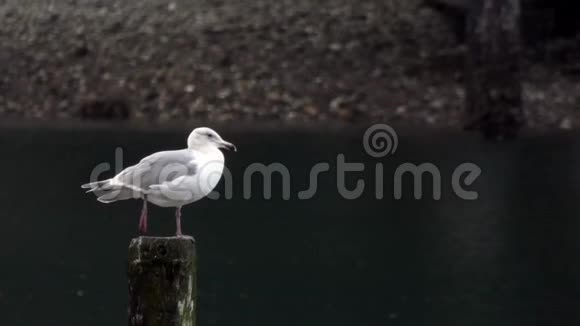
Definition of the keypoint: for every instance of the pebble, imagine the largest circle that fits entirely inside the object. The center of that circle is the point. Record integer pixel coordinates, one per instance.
(271, 63)
(566, 124)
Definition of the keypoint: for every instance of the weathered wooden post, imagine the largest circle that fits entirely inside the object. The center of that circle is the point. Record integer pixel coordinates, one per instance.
(162, 281)
(493, 83)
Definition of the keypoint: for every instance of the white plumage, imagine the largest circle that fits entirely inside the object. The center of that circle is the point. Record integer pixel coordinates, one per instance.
(169, 178)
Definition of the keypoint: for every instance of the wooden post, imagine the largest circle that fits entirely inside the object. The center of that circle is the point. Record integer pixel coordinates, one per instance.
(493, 83)
(162, 281)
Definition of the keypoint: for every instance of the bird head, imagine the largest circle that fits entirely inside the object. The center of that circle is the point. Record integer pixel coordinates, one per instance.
(202, 137)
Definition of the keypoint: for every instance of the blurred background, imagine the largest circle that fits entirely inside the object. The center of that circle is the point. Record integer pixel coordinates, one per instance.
(297, 83)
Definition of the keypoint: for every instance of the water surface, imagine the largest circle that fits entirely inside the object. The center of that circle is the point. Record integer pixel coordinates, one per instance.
(508, 258)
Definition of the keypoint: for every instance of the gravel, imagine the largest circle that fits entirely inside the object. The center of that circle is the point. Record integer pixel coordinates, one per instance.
(262, 60)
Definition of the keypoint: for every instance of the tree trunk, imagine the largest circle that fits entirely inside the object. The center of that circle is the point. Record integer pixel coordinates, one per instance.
(493, 83)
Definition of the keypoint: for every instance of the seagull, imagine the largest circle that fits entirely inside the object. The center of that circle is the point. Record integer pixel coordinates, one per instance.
(169, 178)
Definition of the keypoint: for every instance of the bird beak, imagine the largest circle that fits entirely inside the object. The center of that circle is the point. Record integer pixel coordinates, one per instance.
(228, 145)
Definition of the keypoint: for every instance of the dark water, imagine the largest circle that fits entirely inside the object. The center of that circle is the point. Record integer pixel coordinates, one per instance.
(508, 258)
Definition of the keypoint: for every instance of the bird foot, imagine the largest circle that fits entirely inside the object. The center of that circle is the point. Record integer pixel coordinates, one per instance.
(182, 236)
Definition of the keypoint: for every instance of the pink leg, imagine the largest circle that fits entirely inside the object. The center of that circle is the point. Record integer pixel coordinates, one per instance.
(143, 218)
(178, 221)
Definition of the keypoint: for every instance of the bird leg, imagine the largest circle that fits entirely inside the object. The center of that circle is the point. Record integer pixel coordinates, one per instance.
(143, 218)
(178, 221)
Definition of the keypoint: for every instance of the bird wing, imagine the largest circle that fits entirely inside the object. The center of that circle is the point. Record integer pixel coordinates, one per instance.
(156, 169)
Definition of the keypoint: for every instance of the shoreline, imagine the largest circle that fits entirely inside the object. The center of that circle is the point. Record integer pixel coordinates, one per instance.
(287, 62)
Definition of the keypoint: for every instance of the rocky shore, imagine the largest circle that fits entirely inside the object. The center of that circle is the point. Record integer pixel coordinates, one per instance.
(260, 60)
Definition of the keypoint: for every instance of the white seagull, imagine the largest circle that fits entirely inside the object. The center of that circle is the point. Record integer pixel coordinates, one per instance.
(169, 178)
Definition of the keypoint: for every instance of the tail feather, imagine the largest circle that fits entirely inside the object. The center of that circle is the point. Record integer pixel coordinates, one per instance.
(92, 186)
(115, 193)
(109, 191)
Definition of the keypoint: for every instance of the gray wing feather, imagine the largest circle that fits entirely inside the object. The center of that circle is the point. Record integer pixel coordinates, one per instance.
(158, 168)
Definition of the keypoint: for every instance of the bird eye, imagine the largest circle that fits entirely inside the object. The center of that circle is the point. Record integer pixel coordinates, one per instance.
(210, 135)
